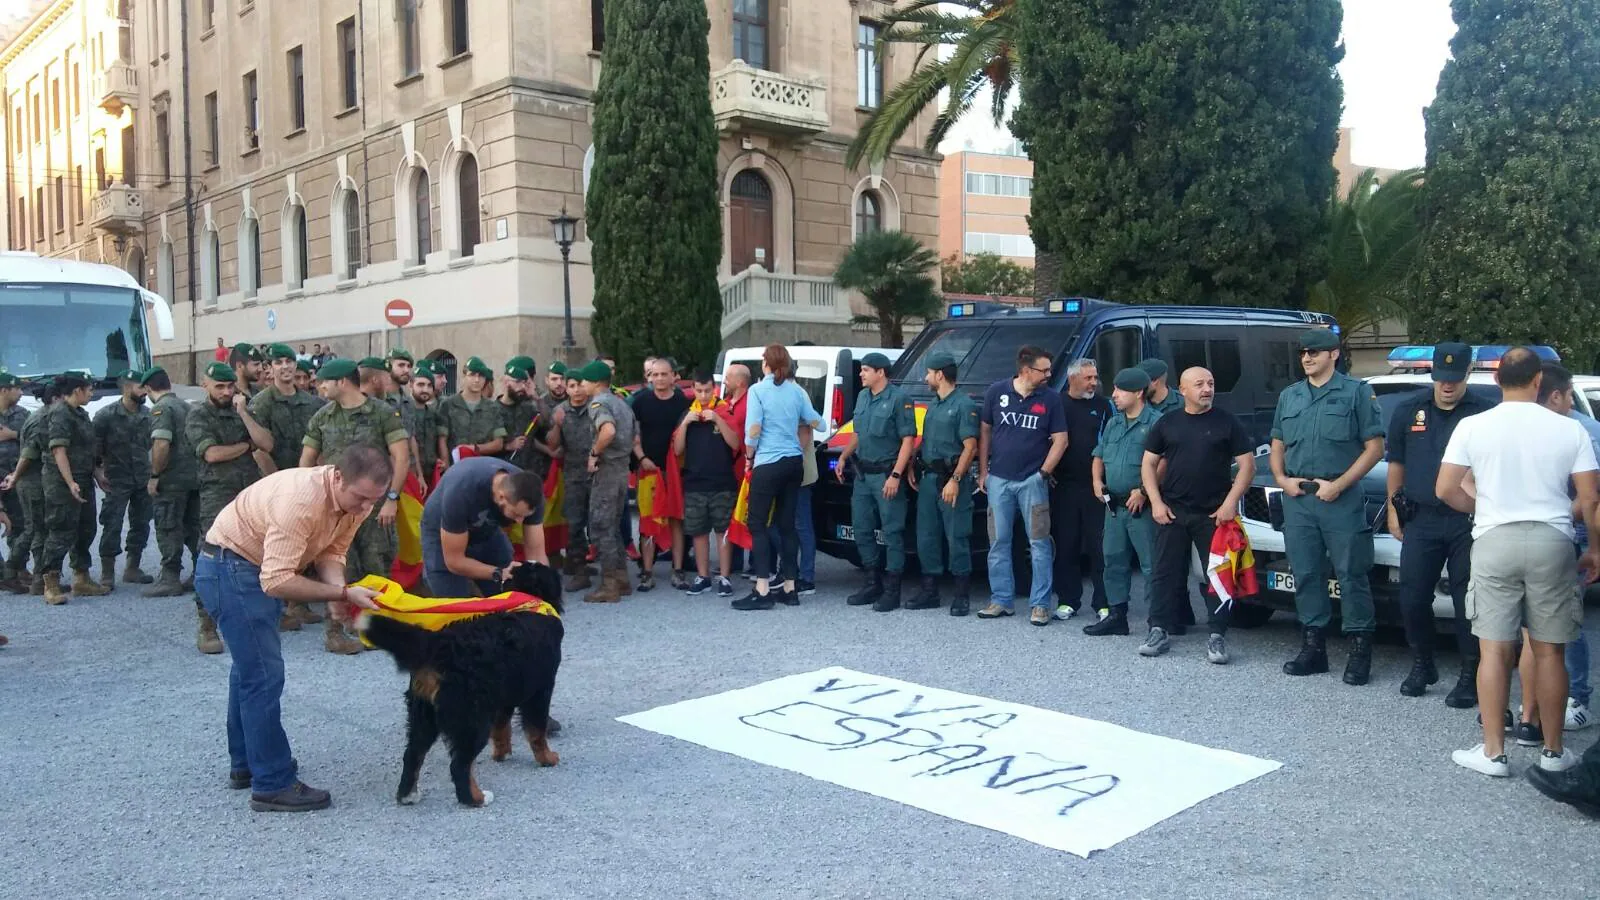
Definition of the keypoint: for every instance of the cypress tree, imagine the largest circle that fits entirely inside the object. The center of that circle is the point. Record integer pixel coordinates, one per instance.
(652, 205)
(1512, 196)
(1182, 150)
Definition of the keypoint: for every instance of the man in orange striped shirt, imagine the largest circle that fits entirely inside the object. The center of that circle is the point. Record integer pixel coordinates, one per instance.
(250, 563)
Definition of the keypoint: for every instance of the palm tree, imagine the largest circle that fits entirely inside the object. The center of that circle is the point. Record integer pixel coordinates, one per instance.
(983, 53)
(1374, 238)
(892, 270)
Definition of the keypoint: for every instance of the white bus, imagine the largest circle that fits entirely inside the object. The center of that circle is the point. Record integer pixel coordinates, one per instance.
(62, 315)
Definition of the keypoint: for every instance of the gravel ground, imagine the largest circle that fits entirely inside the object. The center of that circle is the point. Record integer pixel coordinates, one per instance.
(113, 742)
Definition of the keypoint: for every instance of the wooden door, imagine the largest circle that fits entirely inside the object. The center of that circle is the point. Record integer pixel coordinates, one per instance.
(750, 222)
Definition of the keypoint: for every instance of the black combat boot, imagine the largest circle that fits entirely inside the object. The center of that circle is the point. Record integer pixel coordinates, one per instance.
(1358, 668)
(959, 604)
(890, 601)
(871, 589)
(1112, 621)
(928, 597)
(1423, 673)
(1313, 658)
(1465, 694)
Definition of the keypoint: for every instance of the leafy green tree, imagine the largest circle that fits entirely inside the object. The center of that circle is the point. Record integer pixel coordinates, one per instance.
(1181, 150)
(985, 273)
(1374, 238)
(1512, 201)
(652, 204)
(894, 273)
(981, 40)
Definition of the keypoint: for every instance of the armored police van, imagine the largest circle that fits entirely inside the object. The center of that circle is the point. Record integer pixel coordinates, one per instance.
(1252, 352)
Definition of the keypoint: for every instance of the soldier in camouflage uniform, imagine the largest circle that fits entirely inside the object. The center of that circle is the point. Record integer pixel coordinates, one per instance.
(420, 416)
(615, 429)
(572, 437)
(122, 449)
(282, 410)
(303, 370)
(245, 361)
(27, 479)
(14, 573)
(353, 417)
(69, 498)
(472, 418)
(519, 409)
(174, 484)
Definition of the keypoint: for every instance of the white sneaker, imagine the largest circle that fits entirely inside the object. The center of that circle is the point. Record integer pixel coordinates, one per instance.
(1475, 760)
(1065, 612)
(1553, 762)
(1578, 717)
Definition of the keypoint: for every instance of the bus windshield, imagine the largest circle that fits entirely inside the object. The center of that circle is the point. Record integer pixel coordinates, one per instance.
(49, 329)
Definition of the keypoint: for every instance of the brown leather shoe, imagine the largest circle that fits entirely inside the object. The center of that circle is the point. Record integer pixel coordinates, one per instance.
(206, 639)
(336, 641)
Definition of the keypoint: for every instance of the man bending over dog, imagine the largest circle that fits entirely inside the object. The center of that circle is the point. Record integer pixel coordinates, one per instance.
(249, 565)
(465, 551)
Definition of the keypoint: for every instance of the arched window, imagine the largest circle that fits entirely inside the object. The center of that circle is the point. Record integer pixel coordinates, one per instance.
(467, 194)
(212, 286)
(424, 214)
(352, 233)
(300, 241)
(249, 257)
(136, 264)
(869, 213)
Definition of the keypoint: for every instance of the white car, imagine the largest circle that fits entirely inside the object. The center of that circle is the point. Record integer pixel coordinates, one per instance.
(831, 376)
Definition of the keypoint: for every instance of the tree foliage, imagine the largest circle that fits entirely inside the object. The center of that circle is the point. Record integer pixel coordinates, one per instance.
(652, 205)
(893, 271)
(1181, 150)
(1512, 201)
(1374, 240)
(985, 273)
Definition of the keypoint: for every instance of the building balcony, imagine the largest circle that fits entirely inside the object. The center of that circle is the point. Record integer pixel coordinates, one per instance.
(119, 209)
(117, 86)
(756, 295)
(750, 99)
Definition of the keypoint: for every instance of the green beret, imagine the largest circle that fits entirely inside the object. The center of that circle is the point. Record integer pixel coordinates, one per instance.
(517, 373)
(7, 379)
(372, 362)
(304, 365)
(596, 371)
(248, 351)
(150, 373)
(1134, 379)
(523, 362)
(1155, 367)
(876, 360)
(221, 372)
(280, 351)
(938, 359)
(476, 366)
(401, 353)
(335, 369)
(559, 368)
(1319, 339)
(129, 377)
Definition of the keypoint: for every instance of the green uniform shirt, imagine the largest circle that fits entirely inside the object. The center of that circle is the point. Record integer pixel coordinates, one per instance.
(286, 417)
(611, 408)
(946, 425)
(335, 429)
(208, 427)
(13, 418)
(1174, 401)
(516, 417)
(577, 439)
(1121, 448)
(1323, 428)
(881, 422)
(464, 423)
(169, 421)
(422, 422)
(36, 442)
(122, 444)
(69, 427)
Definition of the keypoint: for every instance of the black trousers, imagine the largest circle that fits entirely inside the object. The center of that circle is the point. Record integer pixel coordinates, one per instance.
(1438, 540)
(774, 489)
(1078, 524)
(1190, 530)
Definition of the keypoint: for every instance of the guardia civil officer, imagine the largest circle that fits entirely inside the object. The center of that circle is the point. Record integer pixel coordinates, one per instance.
(1327, 434)
(1129, 528)
(885, 430)
(1159, 396)
(944, 486)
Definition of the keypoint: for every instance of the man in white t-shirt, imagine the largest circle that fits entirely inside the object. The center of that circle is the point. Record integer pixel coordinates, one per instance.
(1524, 570)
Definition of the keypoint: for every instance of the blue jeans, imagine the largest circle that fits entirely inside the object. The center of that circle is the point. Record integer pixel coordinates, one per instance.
(490, 549)
(805, 536)
(1031, 498)
(230, 590)
(1578, 669)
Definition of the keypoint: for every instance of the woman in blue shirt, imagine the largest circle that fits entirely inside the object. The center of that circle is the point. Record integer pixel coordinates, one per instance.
(778, 411)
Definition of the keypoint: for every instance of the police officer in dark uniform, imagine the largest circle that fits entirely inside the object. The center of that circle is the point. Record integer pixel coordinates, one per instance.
(1433, 536)
(944, 485)
(1077, 515)
(885, 430)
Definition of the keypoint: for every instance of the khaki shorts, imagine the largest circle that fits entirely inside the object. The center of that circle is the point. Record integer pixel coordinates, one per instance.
(1524, 573)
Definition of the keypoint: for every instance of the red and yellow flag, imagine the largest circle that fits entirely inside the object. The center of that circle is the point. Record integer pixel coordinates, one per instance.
(407, 568)
(660, 498)
(739, 528)
(434, 613)
(555, 519)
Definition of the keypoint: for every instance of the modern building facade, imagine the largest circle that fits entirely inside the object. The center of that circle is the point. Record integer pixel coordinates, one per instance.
(283, 171)
(983, 204)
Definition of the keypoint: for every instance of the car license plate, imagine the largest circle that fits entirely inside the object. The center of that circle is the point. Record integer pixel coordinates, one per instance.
(848, 533)
(1284, 581)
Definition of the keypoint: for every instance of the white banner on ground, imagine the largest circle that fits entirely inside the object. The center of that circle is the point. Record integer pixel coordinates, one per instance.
(1062, 781)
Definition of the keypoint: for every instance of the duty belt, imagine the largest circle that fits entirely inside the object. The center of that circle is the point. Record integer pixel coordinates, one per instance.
(874, 468)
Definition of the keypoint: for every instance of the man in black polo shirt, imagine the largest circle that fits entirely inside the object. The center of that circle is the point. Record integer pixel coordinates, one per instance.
(1078, 516)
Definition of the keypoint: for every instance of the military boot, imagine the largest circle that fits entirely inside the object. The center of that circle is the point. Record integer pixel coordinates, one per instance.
(167, 585)
(613, 582)
(132, 574)
(36, 585)
(871, 589)
(1465, 694)
(1113, 620)
(578, 578)
(1423, 673)
(1358, 668)
(84, 586)
(206, 639)
(287, 621)
(928, 597)
(53, 594)
(960, 604)
(13, 584)
(1313, 658)
(108, 573)
(890, 600)
(305, 615)
(334, 640)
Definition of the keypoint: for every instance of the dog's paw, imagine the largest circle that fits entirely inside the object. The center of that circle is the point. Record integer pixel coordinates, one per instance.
(488, 798)
(547, 758)
(411, 798)
(501, 755)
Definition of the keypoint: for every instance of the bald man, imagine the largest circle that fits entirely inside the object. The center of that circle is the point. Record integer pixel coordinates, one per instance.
(735, 394)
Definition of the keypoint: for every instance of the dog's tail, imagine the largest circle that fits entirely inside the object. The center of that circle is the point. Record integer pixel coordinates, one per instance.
(410, 645)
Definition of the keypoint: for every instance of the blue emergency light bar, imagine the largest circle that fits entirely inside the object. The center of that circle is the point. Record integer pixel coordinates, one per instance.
(1072, 307)
(959, 310)
(1485, 358)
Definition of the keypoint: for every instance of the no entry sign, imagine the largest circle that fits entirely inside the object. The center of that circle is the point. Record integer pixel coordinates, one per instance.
(398, 312)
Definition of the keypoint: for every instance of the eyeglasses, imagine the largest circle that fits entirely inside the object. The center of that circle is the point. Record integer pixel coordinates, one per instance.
(1044, 371)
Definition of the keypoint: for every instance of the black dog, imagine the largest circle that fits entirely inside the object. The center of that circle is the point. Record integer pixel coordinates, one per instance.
(468, 677)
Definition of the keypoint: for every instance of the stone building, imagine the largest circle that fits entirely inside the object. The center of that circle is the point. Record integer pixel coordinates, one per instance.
(345, 153)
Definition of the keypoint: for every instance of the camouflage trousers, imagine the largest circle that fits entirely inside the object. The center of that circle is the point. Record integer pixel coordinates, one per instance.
(608, 504)
(133, 504)
(372, 550)
(575, 507)
(69, 525)
(20, 542)
(177, 523)
(30, 491)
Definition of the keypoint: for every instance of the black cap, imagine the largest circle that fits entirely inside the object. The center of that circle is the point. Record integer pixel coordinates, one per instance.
(1135, 379)
(1451, 361)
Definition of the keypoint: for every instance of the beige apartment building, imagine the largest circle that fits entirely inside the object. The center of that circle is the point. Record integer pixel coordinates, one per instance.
(983, 204)
(342, 154)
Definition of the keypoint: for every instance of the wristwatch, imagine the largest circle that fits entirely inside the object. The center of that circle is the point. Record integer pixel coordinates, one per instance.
(392, 495)
(895, 475)
(499, 576)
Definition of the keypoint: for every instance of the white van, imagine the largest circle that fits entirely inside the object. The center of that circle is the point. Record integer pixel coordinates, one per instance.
(831, 375)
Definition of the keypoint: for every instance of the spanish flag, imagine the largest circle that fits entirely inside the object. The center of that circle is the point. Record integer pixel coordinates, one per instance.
(660, 498)
(407, 568)
(433, 614)
(739, 528)
(555, 520)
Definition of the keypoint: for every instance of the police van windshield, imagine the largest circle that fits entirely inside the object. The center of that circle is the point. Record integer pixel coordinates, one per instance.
(49, 329)
(985, 355)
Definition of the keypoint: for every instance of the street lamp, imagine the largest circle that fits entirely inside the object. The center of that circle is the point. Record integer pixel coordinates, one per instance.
(565, 228)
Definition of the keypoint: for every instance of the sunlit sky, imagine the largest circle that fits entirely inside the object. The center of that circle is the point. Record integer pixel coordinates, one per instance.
(1394, 50)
